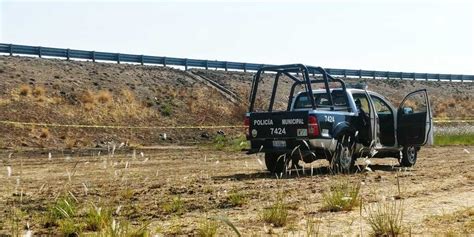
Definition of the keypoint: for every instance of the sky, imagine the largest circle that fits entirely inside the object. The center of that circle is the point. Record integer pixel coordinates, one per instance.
(410, 36)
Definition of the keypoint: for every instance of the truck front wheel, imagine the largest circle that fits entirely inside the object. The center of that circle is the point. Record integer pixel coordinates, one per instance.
(275, 162)
(342, 159)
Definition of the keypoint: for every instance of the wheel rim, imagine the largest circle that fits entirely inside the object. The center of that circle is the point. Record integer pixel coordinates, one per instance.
(345, 158)
(411, 154)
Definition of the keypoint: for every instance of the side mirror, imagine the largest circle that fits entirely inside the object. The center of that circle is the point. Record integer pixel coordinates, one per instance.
(407, 110)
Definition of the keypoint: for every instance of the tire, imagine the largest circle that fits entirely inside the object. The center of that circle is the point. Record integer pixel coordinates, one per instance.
(409, 155)
(275, 162)
(343, 160)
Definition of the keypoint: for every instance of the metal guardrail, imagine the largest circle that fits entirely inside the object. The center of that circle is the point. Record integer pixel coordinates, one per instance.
(13, 49)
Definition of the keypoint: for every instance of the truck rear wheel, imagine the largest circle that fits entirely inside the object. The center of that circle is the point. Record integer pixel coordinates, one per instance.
(275, 162)
(342, 160)
(409, 155)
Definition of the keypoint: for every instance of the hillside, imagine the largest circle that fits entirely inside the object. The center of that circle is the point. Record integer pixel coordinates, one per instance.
(79, 92)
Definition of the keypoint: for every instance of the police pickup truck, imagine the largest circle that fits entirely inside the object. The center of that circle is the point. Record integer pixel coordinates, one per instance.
(336, 123)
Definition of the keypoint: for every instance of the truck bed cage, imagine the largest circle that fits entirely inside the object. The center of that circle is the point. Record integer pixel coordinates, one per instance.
(288, 70)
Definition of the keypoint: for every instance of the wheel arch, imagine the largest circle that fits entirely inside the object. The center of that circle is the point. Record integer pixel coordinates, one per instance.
(343, 128)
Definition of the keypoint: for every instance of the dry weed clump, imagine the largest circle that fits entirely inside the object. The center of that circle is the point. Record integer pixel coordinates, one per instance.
(385, 218)
(87, 97)
(342, 195)
(101, 97)
(276, 214)
(25, 90)
(104, 97)
(44, 133)
(38, 91)
(208, 228)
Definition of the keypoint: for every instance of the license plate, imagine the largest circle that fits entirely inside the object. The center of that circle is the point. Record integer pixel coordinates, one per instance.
(302, 132)
(279, 144)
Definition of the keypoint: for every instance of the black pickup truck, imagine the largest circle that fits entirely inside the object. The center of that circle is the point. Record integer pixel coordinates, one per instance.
(333, 122)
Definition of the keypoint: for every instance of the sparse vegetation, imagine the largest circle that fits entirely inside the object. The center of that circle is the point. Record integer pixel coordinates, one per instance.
(175, 206)
(98, 218)
(69, 227)
(222, 142)
(188, 197)
(236, 199)
(385, 218)
(64, 208)
(313, 226)
(208, 228)
(453, 224)
(342, 195)
(14, 220)
(276, 214)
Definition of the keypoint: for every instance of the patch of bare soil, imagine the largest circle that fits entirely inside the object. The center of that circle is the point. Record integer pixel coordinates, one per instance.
(436, 194)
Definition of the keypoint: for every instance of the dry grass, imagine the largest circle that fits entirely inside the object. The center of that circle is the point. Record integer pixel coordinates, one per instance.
(459, 222)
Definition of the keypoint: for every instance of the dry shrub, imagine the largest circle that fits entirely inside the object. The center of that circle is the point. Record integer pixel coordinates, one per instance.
(385, 218)
(44, 133)
(104, 97)
(69, 142)
(25, 90)
(87, 97)
(39, 91)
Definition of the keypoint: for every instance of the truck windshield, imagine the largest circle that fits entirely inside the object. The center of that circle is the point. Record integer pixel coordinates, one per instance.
(321, 100)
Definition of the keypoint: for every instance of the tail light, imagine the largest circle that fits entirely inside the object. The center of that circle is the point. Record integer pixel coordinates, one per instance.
(246, 126)
(313, 127)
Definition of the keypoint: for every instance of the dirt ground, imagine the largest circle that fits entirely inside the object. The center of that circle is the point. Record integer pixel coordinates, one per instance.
(140, 184)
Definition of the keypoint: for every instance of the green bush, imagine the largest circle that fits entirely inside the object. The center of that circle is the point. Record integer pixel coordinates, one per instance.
(166, 109)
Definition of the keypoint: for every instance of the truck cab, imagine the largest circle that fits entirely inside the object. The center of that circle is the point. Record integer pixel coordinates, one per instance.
(336, 123)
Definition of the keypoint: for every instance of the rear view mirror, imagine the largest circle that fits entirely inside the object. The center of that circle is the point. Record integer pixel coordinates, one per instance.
(407, 110)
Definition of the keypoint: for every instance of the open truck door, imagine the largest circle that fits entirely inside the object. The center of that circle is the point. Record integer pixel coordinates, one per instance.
(414, 120)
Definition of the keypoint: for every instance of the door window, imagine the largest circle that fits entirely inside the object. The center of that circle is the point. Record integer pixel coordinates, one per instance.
(361, 102)
(381, 107)
(415, 103)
